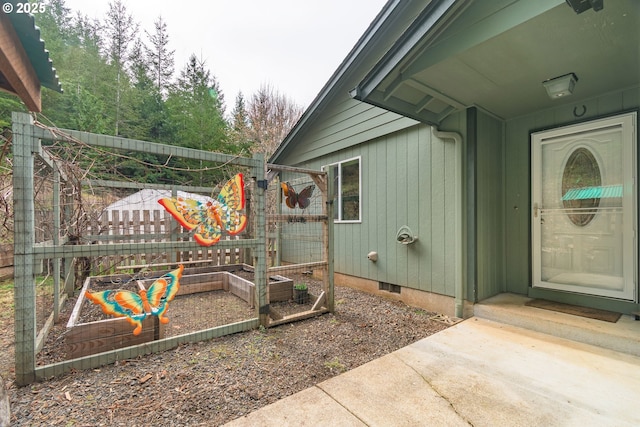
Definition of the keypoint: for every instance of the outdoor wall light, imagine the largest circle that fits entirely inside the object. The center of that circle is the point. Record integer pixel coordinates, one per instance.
(559, 87)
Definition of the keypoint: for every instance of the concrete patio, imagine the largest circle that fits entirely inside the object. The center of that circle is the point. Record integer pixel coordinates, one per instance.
(510, 365)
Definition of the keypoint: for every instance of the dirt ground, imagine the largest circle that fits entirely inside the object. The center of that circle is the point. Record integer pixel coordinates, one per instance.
(213, 382)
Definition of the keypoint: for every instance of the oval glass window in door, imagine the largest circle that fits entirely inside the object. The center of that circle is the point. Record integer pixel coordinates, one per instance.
(581, 185)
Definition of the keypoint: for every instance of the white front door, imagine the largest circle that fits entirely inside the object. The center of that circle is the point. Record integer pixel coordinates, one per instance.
(584, 208)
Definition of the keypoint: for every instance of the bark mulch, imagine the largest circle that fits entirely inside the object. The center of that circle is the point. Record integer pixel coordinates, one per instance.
(213, 382)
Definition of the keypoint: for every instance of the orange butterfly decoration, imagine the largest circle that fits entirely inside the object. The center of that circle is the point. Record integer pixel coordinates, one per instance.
(135, 307)
(302, 199)
(212, 217)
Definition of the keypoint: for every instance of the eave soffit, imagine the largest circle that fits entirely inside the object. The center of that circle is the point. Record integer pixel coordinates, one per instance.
(444, 29)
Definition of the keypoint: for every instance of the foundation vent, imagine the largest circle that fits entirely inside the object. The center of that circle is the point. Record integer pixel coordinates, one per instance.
(389, 287)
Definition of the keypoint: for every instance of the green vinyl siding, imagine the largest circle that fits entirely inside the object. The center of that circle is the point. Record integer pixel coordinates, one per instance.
(396, 163)
(490, 237)
(408, 178)
(345, 124)
(301, 242)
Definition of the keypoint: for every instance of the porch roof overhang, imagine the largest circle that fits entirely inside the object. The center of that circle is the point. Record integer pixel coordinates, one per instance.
(495, 54)
(25, 65)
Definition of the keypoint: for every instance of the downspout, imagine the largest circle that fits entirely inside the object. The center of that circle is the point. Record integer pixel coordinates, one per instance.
(459, 282)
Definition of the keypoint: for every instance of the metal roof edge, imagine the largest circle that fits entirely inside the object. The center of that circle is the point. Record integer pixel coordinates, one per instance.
(29, 35)
(423, 24)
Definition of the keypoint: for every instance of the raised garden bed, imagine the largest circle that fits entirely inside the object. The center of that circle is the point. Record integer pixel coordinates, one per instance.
(90, 331)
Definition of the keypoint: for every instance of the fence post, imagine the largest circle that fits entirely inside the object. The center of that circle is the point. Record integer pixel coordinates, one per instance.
(56, 241)
(330, 239)
(260, 251)
(67, 211)
(24, 289)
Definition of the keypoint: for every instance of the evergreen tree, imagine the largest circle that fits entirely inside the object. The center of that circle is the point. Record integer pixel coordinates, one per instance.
(57, 24)
(56, 28)
(114, 84)
(139, 67)
(149, 115)
(239, 133)
(195, 106)
(120, 32)
(160, 57)
(74, 48)
(136, 125)
(86, 33)
(8, 104)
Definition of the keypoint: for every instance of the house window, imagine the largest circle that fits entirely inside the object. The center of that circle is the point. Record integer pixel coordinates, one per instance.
(347, 186)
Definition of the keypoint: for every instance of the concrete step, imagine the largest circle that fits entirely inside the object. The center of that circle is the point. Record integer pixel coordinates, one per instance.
(623, 336)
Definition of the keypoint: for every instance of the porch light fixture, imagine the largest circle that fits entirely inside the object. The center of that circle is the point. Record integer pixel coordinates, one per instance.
(559, 87)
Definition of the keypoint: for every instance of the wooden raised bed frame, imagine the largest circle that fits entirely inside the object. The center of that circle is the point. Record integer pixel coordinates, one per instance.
(83, 339)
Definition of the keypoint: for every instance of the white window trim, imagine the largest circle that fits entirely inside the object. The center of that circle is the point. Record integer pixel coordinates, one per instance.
(338, 196)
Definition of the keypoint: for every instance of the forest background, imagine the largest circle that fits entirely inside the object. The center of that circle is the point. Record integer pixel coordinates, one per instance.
(119, 79)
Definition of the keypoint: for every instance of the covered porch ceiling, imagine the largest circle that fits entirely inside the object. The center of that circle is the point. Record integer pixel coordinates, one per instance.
(495, 54)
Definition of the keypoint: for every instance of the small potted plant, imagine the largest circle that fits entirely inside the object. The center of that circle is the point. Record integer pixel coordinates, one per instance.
(300, 293)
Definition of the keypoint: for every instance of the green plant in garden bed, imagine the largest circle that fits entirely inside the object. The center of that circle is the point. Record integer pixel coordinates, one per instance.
(300, 287)
(300, 293)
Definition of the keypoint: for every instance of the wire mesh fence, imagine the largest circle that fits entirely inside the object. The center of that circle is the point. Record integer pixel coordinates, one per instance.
(298, 220)
(127, 247)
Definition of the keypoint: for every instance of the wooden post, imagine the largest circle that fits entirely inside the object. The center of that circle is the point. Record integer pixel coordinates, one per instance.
(136, 232)
(126, 220)
(247, 256)
(328, 272)
(260, 251)
(114, 230)
(168, 222)
(278, 232)
(56, 241)
(24, 290)
(146, 229)
(69, 276)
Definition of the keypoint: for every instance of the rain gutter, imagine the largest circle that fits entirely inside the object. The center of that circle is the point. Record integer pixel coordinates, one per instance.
(459, 264)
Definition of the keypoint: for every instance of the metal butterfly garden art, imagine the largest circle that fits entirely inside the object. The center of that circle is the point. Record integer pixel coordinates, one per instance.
(212, 217)
(302, 199)
(135, 307)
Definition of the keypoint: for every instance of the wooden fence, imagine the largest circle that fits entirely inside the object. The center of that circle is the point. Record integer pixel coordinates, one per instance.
(146, 226)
